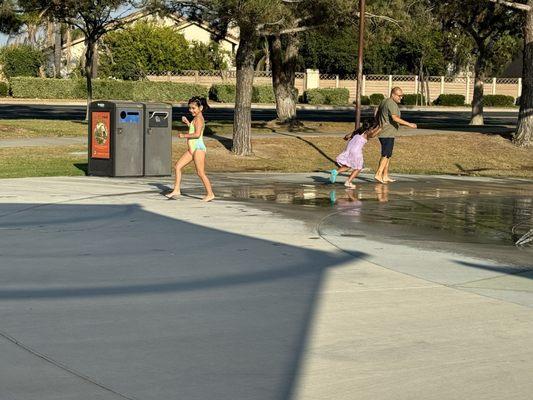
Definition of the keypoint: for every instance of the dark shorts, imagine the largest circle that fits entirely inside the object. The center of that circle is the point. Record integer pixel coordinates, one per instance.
(387, 144)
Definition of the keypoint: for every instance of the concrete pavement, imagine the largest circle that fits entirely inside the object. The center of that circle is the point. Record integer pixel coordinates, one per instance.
(111, 291)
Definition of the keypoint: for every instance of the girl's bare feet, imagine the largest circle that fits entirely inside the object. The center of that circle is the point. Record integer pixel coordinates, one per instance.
(209, 197)
(173, 194)
(349, 185)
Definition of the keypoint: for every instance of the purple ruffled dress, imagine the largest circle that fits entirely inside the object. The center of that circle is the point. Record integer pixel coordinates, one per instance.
(352, 156)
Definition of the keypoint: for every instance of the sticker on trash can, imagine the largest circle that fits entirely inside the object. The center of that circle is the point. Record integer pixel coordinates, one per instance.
(132, 117)
(100, 134)
(158, 119)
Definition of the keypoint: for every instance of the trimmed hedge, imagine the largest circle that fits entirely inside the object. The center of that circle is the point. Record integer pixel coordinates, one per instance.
(376, 99)
(167, 91)
(498, 100)
(223, 93)
(450, 100)
(338, 97)
(4, 89)
(24, 87)
(365, 100)
(263, 94)
(104, 89)
(413, 99)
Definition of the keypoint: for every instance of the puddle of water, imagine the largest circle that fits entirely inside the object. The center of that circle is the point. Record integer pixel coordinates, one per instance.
(461, 211)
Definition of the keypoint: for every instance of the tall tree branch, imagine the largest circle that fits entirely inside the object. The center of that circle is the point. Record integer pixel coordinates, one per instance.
(512, 4)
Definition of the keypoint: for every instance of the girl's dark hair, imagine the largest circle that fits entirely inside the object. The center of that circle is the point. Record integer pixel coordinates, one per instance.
(199, 101)
(365, 125)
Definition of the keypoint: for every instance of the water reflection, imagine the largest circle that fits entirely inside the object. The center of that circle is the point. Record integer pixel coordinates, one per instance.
(490, 212)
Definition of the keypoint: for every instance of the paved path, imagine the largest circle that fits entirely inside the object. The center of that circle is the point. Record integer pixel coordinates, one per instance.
(110, 291)
(439, 117)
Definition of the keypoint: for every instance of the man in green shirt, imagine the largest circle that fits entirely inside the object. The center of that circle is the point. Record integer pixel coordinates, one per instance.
(388, 116)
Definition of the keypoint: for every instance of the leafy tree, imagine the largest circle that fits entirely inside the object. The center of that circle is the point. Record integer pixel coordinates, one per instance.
(248, 16)
(335, 54)
(208, 56)
(11, 20)
(524, 130)
(143, 48)
(21, 60)
(92, 18)
(486, 23)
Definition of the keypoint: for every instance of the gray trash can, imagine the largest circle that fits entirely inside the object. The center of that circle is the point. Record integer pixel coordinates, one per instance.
(157, 139)
(116, 138)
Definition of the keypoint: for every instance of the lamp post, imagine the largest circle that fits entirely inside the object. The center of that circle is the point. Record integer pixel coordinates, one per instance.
(360, 63)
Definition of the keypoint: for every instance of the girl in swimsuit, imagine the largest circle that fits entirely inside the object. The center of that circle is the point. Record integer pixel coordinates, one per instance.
(195, 148)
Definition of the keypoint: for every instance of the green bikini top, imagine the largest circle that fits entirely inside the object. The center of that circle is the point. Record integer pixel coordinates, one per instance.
(192, 130)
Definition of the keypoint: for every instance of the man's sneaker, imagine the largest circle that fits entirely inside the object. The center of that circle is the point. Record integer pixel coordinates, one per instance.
(333, 175)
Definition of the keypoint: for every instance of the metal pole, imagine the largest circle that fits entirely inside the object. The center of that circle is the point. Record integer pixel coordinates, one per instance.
(360, 63)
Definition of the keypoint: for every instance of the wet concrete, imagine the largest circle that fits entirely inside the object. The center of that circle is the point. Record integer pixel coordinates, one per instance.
(109, 290)
(483, 218)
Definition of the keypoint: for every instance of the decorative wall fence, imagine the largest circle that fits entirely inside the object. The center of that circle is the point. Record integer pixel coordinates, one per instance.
(370, 84)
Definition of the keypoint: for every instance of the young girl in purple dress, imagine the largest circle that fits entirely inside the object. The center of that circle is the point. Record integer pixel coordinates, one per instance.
(352, 156)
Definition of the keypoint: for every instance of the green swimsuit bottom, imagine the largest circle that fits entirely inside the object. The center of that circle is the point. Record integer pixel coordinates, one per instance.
(196, 144)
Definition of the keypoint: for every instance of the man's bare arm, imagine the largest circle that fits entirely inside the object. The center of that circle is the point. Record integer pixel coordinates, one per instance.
(400, 121)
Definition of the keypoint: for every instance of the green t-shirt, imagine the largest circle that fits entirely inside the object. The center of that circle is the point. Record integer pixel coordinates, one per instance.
(386, 110)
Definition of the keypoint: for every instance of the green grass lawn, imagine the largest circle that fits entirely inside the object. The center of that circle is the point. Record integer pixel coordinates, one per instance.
(29, 128)
(454, 154)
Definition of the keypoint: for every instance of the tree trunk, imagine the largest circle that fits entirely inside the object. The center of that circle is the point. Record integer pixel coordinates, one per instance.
(524, 130)
(95, 62)
(477, 102)
(89, 63)
(428, 103)
(57, 50)
(283, 62)
(421, 82)
(242, 124)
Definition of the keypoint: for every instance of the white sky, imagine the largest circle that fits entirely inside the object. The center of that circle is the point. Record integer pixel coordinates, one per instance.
(3, 37)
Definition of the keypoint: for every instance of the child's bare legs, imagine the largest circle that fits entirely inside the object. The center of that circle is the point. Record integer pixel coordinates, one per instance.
(352, 176)
(182, 162)
(199, 162)
(337, 171)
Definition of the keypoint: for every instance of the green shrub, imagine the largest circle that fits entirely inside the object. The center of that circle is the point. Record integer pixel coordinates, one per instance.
(263, 94)
(450, 100)
(365, 100)
(43, 88)
(413, 99)
(376, 99)
(208, 56)
(141, 49)
(314, 96)
(112, 89)
(223, 93)
(105, 89)
(167, 91)
(4, 89)
(498, 100)
(21, 60)
(340, 96)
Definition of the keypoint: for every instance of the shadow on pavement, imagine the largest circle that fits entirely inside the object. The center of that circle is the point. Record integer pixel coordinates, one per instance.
(154, 307)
